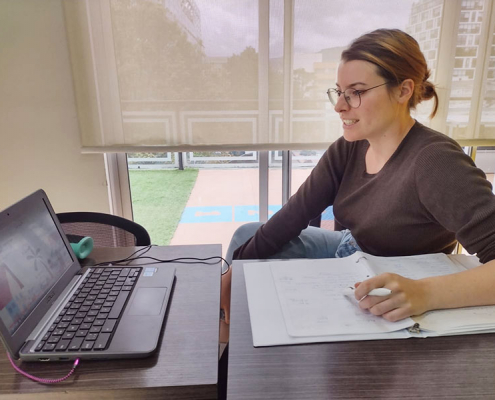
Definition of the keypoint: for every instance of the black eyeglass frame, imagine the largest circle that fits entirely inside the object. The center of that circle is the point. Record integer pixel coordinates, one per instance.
(356, 91)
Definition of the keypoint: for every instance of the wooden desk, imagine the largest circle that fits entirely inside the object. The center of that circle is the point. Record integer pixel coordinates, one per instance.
(185, 366)
(461, 367)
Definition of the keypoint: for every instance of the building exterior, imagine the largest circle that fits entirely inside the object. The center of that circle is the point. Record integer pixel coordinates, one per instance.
(424, 25)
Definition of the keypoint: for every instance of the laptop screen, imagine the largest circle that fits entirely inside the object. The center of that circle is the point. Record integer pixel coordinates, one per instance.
(33, 256)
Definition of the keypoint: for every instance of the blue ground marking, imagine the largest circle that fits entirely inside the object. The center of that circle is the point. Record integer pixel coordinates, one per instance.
(327, 215)
(252, 213)
(272, 210)
(193, 215)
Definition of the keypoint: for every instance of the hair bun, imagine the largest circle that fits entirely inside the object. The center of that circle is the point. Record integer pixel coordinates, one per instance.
(428, 91)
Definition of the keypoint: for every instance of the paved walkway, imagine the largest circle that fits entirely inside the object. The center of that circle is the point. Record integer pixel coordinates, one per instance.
(222, 200)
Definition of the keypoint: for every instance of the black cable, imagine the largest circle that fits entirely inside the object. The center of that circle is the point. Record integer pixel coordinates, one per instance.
(180, 260)
(144, 250)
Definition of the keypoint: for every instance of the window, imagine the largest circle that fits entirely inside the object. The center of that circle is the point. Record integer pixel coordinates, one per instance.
(462, 40)
(464, 17)
(186, 69)
(469, 28)
(223, 206)
(466, 51)
(202, 199)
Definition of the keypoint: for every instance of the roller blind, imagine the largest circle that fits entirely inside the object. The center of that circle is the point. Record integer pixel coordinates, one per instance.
(184, 75)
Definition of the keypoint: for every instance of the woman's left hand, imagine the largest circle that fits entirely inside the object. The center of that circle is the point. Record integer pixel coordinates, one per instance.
(408, 297)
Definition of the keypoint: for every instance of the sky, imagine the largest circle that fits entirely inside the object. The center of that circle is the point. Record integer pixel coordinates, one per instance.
(229, 26)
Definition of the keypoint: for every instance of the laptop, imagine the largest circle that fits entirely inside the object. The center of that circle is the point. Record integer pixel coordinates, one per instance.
(51, 309)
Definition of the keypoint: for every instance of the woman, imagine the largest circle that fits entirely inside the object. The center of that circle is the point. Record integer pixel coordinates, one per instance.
(397, 188)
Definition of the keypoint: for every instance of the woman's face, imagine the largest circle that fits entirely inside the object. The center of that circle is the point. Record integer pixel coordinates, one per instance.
(378, 110)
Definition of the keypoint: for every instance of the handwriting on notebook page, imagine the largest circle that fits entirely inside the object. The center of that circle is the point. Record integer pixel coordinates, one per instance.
(313, 303)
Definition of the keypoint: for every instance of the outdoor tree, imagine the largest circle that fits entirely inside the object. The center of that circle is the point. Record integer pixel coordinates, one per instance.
(241, 71)
(154, 55)
(157, 60)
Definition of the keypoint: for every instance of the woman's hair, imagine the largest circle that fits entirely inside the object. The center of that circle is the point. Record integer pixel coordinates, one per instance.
(398, 57)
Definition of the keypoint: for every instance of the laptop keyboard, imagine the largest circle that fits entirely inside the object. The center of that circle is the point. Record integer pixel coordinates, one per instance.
(91, 316)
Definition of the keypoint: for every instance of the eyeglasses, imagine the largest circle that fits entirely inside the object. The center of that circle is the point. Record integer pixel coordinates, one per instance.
(351, 96)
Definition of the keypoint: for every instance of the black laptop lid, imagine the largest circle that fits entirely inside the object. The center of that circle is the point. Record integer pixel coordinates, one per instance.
(36, 264)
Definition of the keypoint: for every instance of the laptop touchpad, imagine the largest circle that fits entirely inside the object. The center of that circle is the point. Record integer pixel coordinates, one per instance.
(148, 301)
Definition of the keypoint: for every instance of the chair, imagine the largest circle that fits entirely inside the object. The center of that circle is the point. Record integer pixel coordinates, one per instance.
(105, 229)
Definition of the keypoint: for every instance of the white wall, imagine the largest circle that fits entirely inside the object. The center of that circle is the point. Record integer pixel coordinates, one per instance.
(39, 133)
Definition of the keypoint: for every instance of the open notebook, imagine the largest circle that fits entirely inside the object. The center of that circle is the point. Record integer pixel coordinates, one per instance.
(303, 301)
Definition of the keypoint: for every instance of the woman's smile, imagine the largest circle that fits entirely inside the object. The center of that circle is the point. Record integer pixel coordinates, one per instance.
(349, 122)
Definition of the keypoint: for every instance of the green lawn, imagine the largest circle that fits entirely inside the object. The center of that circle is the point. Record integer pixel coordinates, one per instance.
(158, 199)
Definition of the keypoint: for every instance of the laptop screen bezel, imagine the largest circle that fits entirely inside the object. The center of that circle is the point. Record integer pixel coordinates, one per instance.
(16, 340)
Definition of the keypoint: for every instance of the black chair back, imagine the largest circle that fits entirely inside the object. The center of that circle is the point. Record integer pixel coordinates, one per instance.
(106, 230)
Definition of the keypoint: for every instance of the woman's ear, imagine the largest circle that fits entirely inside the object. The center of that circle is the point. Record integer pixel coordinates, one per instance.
(406, 90)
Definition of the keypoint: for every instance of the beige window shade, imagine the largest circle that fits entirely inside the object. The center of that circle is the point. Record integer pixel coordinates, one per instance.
(184, 75)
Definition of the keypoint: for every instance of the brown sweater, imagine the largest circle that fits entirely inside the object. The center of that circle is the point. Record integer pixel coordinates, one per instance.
(428, 195)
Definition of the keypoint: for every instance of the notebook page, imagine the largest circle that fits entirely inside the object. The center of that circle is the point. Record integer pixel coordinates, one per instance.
(267, 321)
(414, 267)
(467, 262)
(312, 301)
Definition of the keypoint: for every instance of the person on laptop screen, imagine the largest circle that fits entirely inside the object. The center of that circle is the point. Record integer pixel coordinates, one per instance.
(397, 188)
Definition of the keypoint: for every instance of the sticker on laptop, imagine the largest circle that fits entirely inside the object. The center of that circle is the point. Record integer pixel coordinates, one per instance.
(149, 271)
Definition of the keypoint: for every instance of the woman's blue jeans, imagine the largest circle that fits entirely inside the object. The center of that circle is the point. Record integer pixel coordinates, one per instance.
(311, 243)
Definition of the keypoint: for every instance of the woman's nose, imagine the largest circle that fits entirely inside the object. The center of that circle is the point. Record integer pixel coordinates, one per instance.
(341, 104)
